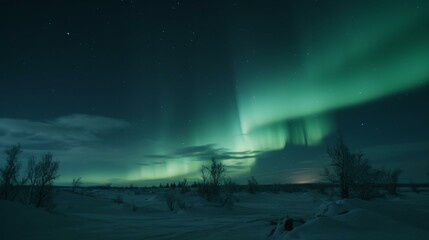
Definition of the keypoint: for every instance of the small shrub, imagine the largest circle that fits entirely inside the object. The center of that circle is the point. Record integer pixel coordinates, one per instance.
(252, 185)
(227, 198)
(184, 187)
(171, 200)
(391, 180)
(174, 201)
(230, 186)
(76, 183)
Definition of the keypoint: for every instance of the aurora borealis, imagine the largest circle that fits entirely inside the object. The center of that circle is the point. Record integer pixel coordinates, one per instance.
(146, 91)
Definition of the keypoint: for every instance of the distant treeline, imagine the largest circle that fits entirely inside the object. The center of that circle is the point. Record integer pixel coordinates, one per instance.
(244, 187)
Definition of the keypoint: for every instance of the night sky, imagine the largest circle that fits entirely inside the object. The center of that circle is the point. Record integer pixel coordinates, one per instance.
(145, 92)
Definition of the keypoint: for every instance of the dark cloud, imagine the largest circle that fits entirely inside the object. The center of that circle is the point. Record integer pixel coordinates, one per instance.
(94, 124)
(236, 161)
(206, 152)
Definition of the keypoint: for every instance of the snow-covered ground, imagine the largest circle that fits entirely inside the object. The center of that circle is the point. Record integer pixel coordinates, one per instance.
(145, 215)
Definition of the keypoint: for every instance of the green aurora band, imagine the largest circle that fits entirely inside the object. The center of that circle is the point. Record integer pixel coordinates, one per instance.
(356, 67)
(285, 100)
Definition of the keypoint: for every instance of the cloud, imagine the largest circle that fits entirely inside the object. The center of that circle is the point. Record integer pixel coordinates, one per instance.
(204, 153)
(90, 123)
(73, 129)
(194, 157)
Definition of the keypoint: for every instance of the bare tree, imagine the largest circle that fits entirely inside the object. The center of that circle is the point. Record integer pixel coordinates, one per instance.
(228, 190)
(342, 163)
(41, 176)
(29, 179)
(365, 180)
(252, 185)
(76, 183)
(391, 178)
(212, 178)
(352, 172)
(9, 175)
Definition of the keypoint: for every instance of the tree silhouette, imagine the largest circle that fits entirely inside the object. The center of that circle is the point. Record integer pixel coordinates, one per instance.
(76, 183)
(41, 176)
(9, 175)
(212, 178)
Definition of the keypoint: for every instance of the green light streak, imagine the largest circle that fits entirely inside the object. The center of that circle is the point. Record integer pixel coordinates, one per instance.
(306, 131)
(168, 169)
(287, 99)
(364, 66)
